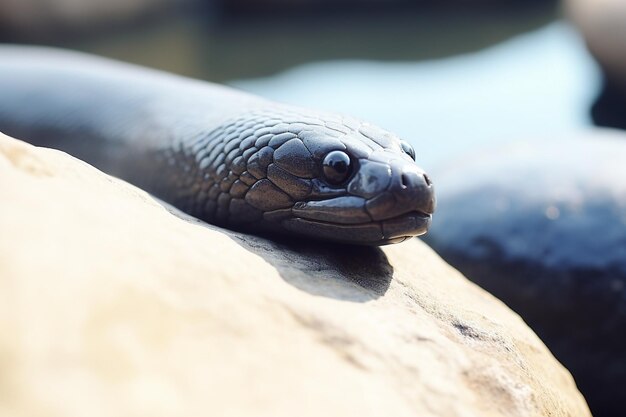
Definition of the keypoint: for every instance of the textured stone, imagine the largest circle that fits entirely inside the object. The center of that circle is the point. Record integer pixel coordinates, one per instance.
(110, 304)
(543, 227)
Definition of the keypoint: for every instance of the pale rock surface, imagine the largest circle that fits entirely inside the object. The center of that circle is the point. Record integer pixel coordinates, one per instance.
(112, 305)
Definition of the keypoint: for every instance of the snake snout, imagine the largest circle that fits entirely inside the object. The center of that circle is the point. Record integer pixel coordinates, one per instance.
(413, 190)
(408, 180)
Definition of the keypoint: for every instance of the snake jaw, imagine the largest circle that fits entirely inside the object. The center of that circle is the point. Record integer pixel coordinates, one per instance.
(393, 230)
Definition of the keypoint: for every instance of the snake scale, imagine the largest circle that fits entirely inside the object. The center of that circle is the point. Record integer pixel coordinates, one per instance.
(223, 156)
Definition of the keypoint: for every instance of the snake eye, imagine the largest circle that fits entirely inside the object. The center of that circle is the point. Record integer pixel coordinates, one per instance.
(336, 167)
(408, 149)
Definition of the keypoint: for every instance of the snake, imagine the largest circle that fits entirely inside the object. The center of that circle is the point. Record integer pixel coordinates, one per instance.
(224, 156)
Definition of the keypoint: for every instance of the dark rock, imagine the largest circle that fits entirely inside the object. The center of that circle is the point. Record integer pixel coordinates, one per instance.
(609, 108)
(542, 226)
(603, 25)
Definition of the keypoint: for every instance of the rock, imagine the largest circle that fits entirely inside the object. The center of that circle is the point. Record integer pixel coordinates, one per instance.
(113, 305)
(542, 226)
(603, 25)
(609, 108)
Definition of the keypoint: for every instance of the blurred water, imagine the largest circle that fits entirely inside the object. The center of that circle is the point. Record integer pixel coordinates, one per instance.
(539, 84)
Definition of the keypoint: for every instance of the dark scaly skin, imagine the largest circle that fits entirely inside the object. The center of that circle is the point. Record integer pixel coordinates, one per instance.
(226, 157)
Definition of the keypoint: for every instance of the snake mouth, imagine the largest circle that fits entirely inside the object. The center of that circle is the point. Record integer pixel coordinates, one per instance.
(393, 230)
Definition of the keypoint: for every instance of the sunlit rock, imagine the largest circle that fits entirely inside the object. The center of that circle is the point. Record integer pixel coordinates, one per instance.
(110, 304)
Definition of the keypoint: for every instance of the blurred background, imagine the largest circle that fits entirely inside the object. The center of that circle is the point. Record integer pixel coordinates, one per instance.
(453, 77)
(449, 76)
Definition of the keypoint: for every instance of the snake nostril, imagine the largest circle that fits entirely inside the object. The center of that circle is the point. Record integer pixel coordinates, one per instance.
(405, 181)
(428, 181)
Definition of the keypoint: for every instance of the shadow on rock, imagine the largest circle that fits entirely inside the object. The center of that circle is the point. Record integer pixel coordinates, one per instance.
(345, 272)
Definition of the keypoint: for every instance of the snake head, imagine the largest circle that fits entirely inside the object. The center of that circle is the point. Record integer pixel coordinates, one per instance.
(322, 176)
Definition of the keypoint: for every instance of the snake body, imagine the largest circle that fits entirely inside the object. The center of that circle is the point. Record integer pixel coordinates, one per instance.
(226, 157)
